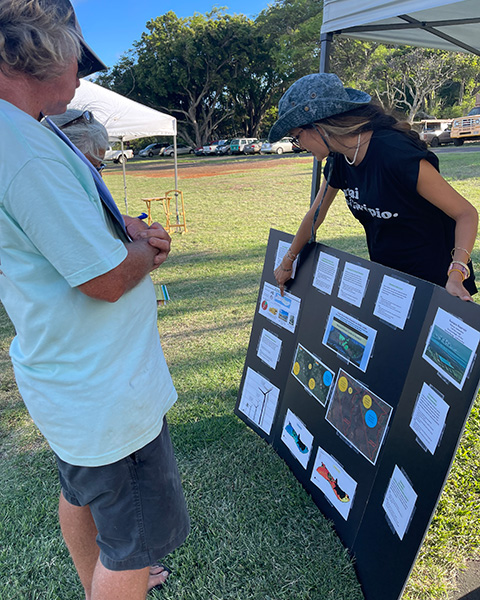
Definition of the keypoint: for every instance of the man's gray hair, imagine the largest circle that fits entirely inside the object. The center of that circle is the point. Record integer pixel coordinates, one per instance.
(91, 138)
(37, 38)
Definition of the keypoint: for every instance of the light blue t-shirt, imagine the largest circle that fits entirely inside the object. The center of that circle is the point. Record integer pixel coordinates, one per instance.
(92, 374)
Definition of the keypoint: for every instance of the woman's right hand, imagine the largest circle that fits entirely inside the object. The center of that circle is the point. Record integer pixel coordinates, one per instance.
(282, 275)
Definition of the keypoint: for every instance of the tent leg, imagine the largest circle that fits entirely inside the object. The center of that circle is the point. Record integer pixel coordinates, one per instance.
(325, 47)
(124, 180)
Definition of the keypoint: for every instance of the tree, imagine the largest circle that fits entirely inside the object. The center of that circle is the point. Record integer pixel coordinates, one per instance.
(293, 30)
(215, 71)
(419, 74)
(407, 79)
(254, 87)
(284, 45)
(185, 65)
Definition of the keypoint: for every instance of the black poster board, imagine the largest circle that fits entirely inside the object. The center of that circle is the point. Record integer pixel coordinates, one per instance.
(362, 378)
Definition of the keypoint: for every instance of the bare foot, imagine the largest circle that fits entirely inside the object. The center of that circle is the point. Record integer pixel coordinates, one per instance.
(158, 576)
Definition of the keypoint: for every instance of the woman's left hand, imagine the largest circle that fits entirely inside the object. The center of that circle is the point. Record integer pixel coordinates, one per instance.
(455, 287)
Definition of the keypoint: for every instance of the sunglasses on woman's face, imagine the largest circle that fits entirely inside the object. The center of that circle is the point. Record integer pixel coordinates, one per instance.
(85, 117)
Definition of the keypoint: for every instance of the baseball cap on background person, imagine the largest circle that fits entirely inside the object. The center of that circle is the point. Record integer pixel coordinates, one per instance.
(313, 98)
(89, 62)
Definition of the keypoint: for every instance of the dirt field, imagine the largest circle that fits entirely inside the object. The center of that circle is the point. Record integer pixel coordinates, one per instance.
(211, 168)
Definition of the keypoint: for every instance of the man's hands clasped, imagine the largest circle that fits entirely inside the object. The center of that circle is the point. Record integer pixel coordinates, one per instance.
(155, 235)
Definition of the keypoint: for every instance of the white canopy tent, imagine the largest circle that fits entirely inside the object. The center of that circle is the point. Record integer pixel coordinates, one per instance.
(443, 24)
(123, 118)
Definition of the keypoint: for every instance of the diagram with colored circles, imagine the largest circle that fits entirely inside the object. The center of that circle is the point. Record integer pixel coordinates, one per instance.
(360, 416)
(314, 376)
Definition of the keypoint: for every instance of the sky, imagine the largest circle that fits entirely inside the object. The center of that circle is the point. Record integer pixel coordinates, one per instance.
(111, 26)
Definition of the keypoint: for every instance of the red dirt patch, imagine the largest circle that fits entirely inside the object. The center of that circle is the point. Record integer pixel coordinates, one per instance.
(211, 169)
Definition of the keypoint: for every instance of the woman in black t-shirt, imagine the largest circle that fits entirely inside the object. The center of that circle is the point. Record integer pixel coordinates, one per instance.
(414, 220)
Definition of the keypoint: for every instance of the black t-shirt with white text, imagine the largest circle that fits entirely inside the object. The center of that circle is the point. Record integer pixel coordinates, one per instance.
(404, 231)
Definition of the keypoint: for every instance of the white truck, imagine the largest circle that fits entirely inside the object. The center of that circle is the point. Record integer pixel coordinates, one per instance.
(118, 156)
(467, 128)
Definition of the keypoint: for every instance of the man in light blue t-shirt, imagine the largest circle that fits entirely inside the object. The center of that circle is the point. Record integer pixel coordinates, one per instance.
(75, 283)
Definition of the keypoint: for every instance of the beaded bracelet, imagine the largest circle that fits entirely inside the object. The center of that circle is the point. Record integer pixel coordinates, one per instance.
(286, 270)
(289, 254)
(464, 266)
(465, 272)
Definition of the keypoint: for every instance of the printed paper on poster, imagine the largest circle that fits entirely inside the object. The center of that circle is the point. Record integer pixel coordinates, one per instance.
(259, 400)
(428, 418)
(451, 347)
(337, 485)
(325, 272)
(353, 284)
(281, 310)
(394, 301)
(315, 377)
(269, 347)
(399, 502)
(359, 415)
(281, 251)
(297, 438)
(349, 338)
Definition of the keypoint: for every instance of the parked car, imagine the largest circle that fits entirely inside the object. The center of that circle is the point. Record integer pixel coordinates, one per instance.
(223, 148)
(283, 145)
(152, 150)
(199, 151)
(436, 132)
(254, 147)
(237, 145)
(443, 138)
(117, 155)
(212, 146)
(181, 149)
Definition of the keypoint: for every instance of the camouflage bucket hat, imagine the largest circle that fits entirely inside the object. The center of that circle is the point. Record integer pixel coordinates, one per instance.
(313, 98)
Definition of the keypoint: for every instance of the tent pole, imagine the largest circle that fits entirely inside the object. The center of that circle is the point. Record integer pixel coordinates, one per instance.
(325, 47)
(124, 179)
(176, 178)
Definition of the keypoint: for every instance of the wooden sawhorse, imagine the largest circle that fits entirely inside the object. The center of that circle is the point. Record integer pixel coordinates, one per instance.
(166, 200)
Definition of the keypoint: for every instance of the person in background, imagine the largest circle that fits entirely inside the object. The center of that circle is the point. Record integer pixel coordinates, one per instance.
(85, 132)
(75, 283)
(414, 220)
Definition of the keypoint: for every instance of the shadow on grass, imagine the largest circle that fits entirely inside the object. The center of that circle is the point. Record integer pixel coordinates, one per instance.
(237, 270)
(249, 539)
(242, 524)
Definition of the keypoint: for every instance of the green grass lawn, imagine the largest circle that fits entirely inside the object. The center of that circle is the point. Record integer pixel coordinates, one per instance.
(256, 534)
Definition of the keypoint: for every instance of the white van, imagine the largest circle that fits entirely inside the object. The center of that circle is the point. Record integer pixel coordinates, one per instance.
(237, 145)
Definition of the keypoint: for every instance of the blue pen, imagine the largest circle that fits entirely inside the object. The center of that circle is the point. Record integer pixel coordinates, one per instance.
(142, 216)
